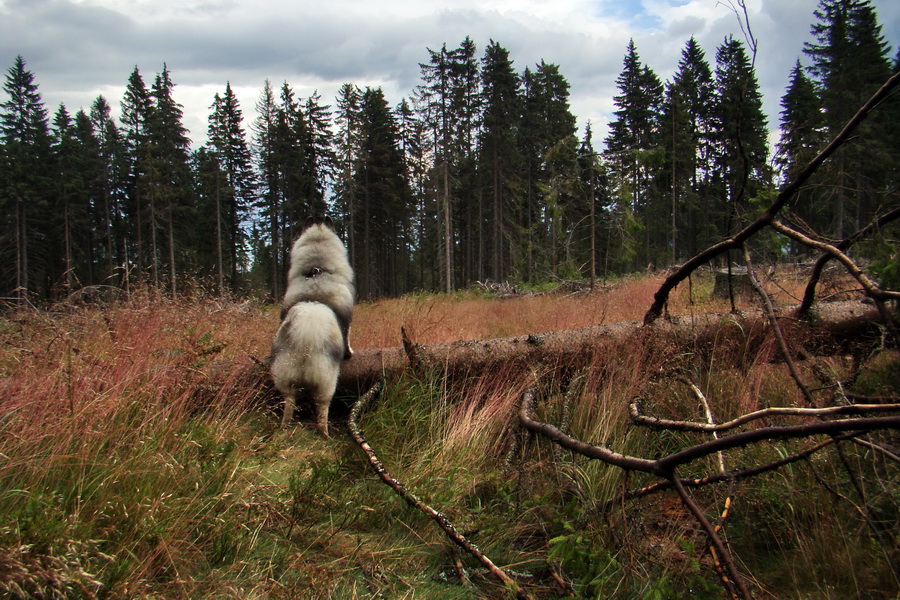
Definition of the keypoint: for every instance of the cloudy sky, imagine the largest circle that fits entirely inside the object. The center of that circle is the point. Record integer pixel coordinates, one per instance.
(78, 49)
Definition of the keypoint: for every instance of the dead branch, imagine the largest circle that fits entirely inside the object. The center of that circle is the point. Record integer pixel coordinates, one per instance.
(809, 293)
(664, 485)
(776, 329)
(786, 192)
(665, 467)
(871, 288)
(734, 583)
(442, 521)
(784, 432)
(639, 418)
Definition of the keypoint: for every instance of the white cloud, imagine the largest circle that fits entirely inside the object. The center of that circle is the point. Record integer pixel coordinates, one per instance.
(78, 49)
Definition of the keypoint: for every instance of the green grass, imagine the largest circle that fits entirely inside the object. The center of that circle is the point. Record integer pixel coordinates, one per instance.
(134, 467)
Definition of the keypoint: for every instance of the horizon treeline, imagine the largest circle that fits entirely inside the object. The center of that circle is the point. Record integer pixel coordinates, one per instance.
(479, 175)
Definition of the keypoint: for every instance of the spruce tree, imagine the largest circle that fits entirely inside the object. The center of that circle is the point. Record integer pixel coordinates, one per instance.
(346, 150)
(467, 208)
(233, 183)
(270, 193)
(802, 137)
(741, 135)
(114, 173)
(136, 114)
(413, 143)
(25, 132)
(500, 157)
(382, 218)
(849, 62)
(633, 150)
(436, 97)
(171, 197)
(70, 203)
(546, 122)
(319, 151)
(686, 130)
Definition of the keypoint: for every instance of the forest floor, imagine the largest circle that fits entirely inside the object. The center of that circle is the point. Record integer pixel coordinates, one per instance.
(126, 472)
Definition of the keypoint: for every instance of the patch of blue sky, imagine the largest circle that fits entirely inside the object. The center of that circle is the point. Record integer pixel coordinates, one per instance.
(634, 12)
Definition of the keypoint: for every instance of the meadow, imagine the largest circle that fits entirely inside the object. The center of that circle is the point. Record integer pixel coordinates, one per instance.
(129, 470)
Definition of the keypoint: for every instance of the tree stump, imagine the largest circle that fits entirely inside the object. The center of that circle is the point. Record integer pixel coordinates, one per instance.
(739, 278)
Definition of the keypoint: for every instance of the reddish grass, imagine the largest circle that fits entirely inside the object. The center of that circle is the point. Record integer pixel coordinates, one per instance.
(438, 319)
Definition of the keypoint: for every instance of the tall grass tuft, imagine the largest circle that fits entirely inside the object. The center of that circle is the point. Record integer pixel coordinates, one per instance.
(114, 476)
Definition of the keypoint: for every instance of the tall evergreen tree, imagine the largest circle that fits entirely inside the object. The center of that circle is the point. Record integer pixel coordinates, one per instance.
(741, 134)
(436, 101)
(413, 135)
(382, 222)
(467, 107)
(686, 131)
(345, 152)
(233, 184)
(849, 62)
(114, 173)
(546, 122)
(25, 131)
(170, 195)
(70, 201)
(270, 192)
(500, 157)
(136, 114)
(634, 149)
(319, 150)
(802, 137)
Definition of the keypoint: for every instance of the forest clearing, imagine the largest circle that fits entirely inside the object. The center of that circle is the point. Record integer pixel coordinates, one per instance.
(668, 369)
(129, 472)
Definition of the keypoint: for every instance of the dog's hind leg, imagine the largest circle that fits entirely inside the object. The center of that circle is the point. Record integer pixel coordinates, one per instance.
(290, 403)
(322, 398)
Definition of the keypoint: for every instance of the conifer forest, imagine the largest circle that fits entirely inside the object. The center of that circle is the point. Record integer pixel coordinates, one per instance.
(480, 174)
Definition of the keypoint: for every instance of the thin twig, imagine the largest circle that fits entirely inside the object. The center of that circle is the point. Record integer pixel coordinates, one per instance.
(734, 581)
(852, 409)
(662, 486)
(776, 329)
(442, 521)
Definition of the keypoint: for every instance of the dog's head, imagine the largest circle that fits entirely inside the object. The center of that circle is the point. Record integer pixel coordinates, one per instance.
(316, 220)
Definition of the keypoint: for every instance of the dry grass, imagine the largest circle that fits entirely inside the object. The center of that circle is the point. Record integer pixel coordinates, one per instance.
(436, 319)
(126, 472)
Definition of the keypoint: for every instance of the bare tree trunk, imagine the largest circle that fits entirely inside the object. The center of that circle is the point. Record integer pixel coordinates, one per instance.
(172, 270)
(448, 235)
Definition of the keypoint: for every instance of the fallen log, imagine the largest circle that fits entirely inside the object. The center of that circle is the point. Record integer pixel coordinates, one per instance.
(831, 327)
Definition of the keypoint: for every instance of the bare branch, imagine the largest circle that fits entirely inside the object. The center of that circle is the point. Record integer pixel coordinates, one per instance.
(765, 434)
(868, 285)
(734, 579)
(442, 521)
(664, 467)
(597, 452)
(845, 244)
(786, 193)
(776, 329)
(733, 476)
(853, 409)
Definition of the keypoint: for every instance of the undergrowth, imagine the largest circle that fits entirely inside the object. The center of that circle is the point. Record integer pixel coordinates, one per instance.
(133, 466)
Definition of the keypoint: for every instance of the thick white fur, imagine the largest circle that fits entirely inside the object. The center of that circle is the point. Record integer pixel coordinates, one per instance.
(306, 357)
(320, 272)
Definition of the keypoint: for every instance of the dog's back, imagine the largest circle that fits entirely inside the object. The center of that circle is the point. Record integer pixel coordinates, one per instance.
(306, 358)
(320, 272)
